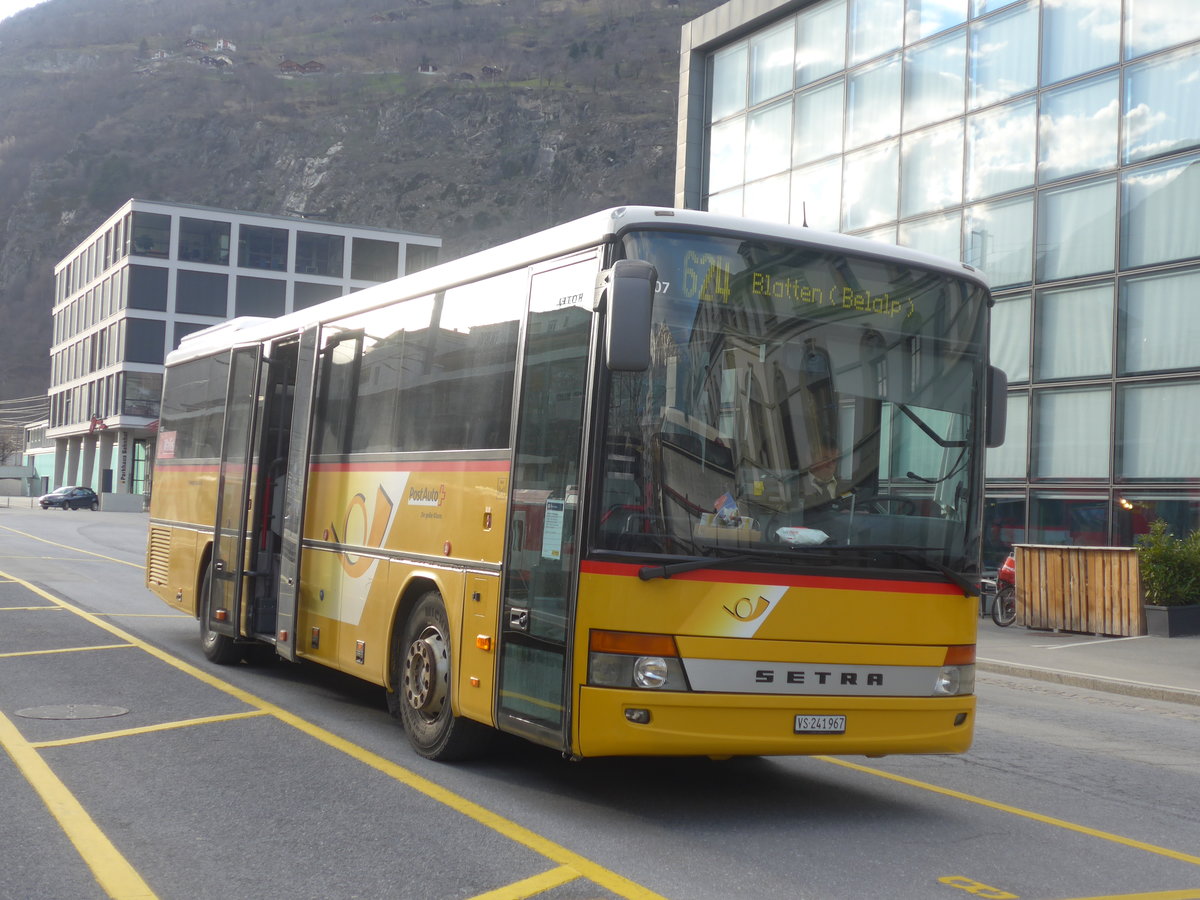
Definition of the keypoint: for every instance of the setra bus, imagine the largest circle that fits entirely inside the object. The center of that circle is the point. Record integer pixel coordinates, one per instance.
(653, 482)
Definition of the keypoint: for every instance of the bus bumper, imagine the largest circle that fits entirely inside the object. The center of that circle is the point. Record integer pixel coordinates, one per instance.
(694, 724)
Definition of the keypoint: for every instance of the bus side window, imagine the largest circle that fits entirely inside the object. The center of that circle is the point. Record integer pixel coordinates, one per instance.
(340, 364)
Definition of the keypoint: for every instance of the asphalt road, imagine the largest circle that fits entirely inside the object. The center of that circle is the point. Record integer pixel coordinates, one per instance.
(135, 769)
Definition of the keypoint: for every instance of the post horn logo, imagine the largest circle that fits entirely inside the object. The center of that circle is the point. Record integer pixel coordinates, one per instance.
(747, 610)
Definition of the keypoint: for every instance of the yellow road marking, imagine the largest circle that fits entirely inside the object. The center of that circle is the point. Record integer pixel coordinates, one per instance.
(114, 873)
(65, 650)
(1017, 811)
(531, 887)
(28, 608)
(34, 537)
(148, 729)
(606, 878)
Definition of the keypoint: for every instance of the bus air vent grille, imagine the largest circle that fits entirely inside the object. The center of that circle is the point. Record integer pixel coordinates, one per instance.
(157, 563)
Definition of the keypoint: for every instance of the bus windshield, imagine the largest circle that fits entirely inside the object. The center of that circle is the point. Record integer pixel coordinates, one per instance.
(797, 398)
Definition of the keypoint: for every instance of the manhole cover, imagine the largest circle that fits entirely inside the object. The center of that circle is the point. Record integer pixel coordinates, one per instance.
(71, 711)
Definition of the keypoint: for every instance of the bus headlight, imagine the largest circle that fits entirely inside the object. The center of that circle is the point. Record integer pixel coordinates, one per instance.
(954, 681)
(650, 671)
(626, 660)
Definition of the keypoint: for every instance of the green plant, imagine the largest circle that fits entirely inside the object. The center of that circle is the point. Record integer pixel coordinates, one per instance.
(1170, 566)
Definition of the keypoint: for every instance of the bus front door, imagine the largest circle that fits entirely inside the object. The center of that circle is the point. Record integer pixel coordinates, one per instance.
(542, 553)
(228, 567)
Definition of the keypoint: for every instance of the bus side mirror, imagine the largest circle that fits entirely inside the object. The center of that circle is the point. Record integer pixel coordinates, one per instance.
(626, 296)
(997, 406)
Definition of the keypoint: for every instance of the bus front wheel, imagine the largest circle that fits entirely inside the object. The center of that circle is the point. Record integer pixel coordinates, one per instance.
(421, 679)
(217, 647)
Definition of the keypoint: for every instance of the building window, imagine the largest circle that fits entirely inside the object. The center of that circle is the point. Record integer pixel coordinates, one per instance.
(183, 329)
(1160, 218)
(876, 27)
(1010, 338)
(772, 62)
(319, 254)
(1135, 511)
(1077, 229)
(998, 238)
(374, 260)
(1079, 36)
(147, 288)
(768, 141)
(1009, 459)
(818, 123)
(820, 42)
(262, 248)
(418, 257)
(144, 340)
(1159, 322)
(869, 186)
(204, 241)
(260, 296)
(1071, 434)
(310, 294)
(151, 235)
(1156, 24)
(873, 103)
(1161, 99)
(201, 293)
(1078, 128)
(1059, 350)
(940, 235)
(1058, 518)
(1004, 56)
(934, 76)
(1145, 450)
(1001, 149)
(931, 171)
(143, 394)
(729, 68)
(727, 154)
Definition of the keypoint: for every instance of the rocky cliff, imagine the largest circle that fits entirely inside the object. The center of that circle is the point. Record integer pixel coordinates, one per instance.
(475, 121)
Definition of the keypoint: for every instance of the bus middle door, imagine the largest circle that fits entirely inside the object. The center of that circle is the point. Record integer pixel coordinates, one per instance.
(237, 466)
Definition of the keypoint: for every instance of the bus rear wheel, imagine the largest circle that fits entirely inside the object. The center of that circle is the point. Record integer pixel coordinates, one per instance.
(421, 679)
(217, 647)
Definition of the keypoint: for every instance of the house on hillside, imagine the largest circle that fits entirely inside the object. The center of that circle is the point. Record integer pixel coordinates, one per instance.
(227, 46)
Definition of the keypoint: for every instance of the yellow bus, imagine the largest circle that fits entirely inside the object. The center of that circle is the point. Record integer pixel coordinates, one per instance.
(653, 482)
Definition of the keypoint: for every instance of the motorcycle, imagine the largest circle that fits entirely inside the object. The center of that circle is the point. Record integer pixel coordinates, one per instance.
(1004, 608)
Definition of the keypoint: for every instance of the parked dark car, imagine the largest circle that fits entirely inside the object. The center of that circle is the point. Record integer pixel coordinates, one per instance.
(70, 498)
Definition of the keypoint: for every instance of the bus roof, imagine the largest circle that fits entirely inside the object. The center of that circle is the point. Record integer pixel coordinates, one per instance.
(578, 234)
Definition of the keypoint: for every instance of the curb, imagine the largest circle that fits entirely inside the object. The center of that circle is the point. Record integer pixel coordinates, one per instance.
(1144, 690)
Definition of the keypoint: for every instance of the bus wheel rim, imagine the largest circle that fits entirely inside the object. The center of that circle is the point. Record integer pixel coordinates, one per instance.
(426, 674)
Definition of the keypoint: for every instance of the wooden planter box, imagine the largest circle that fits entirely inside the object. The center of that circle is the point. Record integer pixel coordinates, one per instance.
(1090, 590)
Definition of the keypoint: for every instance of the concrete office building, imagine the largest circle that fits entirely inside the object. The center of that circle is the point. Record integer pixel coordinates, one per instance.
(154, 272)
(1054, 144)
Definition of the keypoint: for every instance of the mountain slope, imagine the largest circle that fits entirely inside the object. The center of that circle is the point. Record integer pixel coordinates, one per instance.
(475, 121)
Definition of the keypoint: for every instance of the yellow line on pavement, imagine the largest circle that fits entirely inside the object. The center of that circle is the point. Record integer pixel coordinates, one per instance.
(1017, 811)
(34, 537)
(531, 887)
(28, 608)
(65, 650)
(114, 873)
(149, 729)
(606, 878)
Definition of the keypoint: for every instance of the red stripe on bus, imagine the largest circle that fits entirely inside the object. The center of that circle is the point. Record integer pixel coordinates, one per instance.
(625, 570)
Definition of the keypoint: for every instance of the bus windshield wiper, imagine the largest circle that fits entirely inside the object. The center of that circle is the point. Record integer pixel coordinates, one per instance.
(913, 554)
(646, 573)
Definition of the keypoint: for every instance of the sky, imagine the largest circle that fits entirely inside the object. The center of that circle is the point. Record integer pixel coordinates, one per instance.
(8, 7)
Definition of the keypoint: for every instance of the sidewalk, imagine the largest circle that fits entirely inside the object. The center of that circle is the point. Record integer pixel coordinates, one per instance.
(1154, 668)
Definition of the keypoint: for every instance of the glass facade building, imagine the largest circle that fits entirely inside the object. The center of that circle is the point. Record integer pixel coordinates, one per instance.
(155, 272)
(1053, 144)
